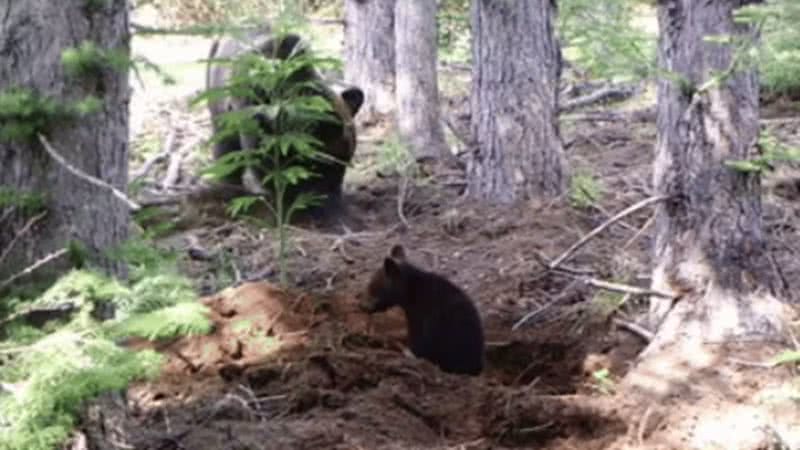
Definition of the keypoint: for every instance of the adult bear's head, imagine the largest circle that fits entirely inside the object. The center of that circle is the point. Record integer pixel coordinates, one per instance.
(338, 136)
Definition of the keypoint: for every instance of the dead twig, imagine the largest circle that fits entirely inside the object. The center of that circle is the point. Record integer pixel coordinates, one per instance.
(21, 233)
(606, 93)
(639, 115)
(148, 165)
(636, 329)
(401, 197)
(533, 314)
(57, 254)
(626, 289)
(169, 142)
(743, 362)
(338, 245)
(86, 177)
(639, 232)
(642, 428)
(174, 168)
(626, 212)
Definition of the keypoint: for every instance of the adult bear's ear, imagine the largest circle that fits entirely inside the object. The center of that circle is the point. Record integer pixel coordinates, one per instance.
(353, 97)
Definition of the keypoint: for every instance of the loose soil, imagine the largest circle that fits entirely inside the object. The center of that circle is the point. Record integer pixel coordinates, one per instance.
(303, 367)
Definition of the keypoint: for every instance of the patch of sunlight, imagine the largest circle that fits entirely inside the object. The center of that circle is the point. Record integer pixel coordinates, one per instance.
(713, 428)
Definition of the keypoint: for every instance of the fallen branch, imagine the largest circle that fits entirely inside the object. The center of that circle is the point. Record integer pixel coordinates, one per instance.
(203, 193)
(454, 67)
(638, 115)
(532, 314)
(148, 164)
(401, 196)
(636, 329)
(174, 168)
(626, 212)
(86, 177)
(626, 289)
(607, 93)
(32, 267)
(21, 233)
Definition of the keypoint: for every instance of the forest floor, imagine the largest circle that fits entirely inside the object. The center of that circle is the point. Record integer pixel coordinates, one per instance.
(305, 368)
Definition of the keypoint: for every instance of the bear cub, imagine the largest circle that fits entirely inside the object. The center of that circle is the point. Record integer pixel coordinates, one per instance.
(444, 326)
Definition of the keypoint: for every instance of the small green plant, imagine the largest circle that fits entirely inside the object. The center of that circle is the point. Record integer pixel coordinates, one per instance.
(395, 158)
(284, 154)
(584, 190)
(604, 304)
(773, 152)
(603, 381)
(788, 357)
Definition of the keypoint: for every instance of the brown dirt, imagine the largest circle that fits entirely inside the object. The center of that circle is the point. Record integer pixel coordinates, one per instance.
(287, 370)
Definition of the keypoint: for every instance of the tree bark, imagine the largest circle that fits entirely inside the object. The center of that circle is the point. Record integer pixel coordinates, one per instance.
(34, 35)
(418, 114)
(514, 101)
(710, 246)
(369, 60)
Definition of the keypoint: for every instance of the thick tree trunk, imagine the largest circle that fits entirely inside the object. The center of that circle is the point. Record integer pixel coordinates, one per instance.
(418, 116)
(516, 68)
(34, 35)
(710, 248)
(710, 245)
(369, 61)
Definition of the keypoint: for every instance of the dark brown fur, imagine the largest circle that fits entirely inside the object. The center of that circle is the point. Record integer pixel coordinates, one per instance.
(339, 139)
(444, 326)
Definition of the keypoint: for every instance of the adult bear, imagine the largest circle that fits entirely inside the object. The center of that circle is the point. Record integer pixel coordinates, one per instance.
(338, 137)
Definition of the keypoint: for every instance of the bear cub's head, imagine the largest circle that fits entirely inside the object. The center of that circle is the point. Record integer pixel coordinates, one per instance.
(390, 285)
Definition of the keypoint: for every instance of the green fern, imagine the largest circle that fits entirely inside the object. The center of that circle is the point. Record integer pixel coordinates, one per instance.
(183, 319)
(61, 373)
(68, 362)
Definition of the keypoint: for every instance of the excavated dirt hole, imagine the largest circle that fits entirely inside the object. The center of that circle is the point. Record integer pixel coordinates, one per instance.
(556, 367)
(323, 374)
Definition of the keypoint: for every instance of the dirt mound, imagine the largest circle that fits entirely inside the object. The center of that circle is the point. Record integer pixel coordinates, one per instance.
(288, 370)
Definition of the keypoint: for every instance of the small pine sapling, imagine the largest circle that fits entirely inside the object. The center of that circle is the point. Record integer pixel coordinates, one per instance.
(277, 131)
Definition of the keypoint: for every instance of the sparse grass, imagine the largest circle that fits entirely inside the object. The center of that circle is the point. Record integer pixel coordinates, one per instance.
(394, 157)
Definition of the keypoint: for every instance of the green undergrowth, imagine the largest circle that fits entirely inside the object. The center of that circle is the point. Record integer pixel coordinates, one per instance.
(50, 371)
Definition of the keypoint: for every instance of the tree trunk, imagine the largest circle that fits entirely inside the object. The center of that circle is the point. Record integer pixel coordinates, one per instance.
(34, 35)
(710, 248)
(369, 55)
(418, 116)
(515, 74)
